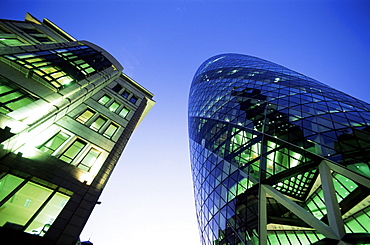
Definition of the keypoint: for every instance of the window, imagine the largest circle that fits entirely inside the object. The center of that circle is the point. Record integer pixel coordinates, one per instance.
(133, 99)
(124, 112)
(30, 30)
(54, 143)
(31, 207)
(117, 88)
(89, 160)
(125, 94)
(104, 100)
(70, 64)
(12, 97)
(85, 116)
(42, 39)
(111, 129)
(114, 106)
(98, 123)
(11, 41)
(73, 150)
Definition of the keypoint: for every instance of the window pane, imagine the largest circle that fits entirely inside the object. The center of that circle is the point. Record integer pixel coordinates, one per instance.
(124, 112)
(48, 69)
(133, 99)
(11, 42)
(104, 100)
(19, 103)
(65, 80)
(113, 107)
(8, 184)
(12, 96)
(4, 89)
(109, 132)
(54, 143)
(99, 122)
(48, 214)
(85, 116)
(73, 151)
(89, 159)
(125, 94)
(25, 203)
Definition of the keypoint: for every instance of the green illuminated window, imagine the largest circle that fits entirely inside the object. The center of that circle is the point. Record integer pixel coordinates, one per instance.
(73, 150)
(104, 100)
(8, 184)
(42, 222)
(89, 160)
(85, 116)
(124, 112)
(114, 106)
(111, 129)
(54, 66)
(98, 123)
(12, 97)
(54, 143)
(11, 41)
(31, 208)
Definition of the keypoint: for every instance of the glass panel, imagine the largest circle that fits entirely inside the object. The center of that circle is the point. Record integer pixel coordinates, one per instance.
(85, 116)
(48, 214)
(90, 70)
(48, 69)
(70, 154)
(109, 132)
(10, 96)
(65, 80)
(20, 103)
(7, 184)
(89, 159)
(104, 100)
(124, 112)
(11, 42)
(4, 89)
(125, 94)
(19, 209)
(133, 99)
(54, 143)
(99, 122)
(113, 107)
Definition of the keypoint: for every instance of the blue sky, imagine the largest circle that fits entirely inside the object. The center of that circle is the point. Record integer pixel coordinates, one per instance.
(149, 199)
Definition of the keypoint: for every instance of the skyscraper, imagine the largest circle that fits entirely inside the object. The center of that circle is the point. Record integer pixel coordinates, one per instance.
(277, 157)
(66, 114)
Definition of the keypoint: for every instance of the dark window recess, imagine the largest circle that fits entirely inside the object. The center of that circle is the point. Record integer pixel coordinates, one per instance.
(31, 31)
(117, 88)
(42, 39)
(98, 61)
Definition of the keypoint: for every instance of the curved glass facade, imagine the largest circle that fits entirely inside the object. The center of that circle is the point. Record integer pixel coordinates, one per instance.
(277, 157)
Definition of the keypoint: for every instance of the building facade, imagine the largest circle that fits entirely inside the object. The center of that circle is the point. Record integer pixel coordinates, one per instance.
(66, 114)
(277, 157)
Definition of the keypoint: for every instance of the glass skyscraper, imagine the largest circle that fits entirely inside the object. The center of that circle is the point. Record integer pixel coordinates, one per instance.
(277, 157)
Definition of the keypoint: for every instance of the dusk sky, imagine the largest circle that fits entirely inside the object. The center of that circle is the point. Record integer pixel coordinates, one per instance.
(149, 198)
